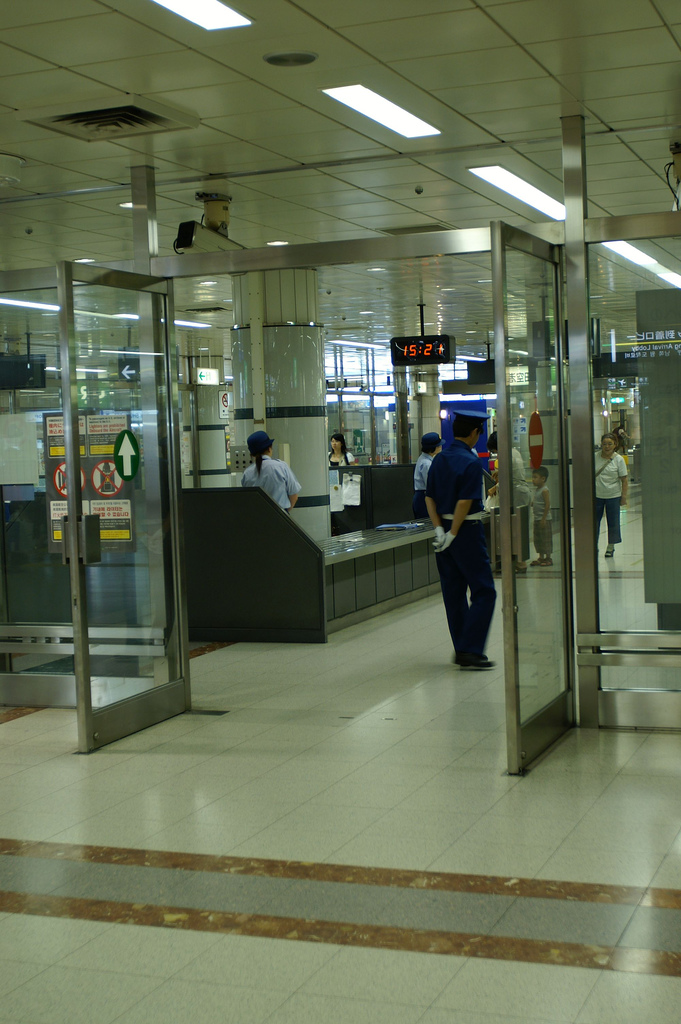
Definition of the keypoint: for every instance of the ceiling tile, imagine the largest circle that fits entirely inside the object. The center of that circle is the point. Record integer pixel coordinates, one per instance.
(539, 20)
(593, 85)
(13, 62)
(293, 119)
(358, 12)
(83, 40)
(472, 99)
(225, 100)
(33, 12)
(160, 72)
(478, 67)
(52, 88)
(638, 105)
(422, 36)
(614, 50)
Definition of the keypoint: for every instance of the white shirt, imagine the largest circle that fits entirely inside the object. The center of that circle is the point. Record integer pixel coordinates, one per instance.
(275, 478)
(609, 479)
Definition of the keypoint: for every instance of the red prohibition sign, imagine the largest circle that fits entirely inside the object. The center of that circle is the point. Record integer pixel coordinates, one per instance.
(59, 479)
(105, 479)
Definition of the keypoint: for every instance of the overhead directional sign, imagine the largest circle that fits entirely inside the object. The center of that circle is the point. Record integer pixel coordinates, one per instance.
(128, 366)
(206, 375)
(126, 455)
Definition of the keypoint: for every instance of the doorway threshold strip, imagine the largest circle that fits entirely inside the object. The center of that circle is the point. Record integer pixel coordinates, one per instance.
(403, 878)
(12, 714)
(491, 947)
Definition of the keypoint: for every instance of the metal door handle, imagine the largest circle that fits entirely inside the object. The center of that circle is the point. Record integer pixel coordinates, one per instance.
(89, 540)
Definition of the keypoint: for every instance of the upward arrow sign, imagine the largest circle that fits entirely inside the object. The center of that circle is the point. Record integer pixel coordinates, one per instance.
(126, 455)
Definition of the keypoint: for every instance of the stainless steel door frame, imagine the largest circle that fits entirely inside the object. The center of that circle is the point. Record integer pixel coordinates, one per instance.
(99, 726)
(525, 741)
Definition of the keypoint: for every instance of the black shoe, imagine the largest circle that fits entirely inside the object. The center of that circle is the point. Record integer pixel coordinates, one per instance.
(474, 662)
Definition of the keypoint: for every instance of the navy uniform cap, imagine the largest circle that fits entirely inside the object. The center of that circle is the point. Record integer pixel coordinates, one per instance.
(259, 442)
(431, 440)
(472, 414)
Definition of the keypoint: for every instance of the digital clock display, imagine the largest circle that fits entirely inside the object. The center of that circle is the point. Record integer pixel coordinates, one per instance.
(433, 348)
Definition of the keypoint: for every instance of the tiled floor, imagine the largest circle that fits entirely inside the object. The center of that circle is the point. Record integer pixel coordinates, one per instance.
(368, 751)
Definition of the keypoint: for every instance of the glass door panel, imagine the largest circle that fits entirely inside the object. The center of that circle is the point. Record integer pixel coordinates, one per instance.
(129, 460)
(36, 663)
(534, 518)
(635, 316)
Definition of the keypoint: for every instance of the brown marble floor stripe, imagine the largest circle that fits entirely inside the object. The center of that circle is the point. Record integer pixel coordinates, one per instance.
(209, 648)
(11, 714)
(559, 954)
(583, 892)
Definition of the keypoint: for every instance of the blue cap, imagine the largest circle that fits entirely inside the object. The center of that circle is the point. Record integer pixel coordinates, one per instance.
(431, 440)
(259, 442)
(472, 414)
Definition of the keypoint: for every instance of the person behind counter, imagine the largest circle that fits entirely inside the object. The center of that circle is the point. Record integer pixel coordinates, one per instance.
(431, 444)
(339, 454)
(272, 475)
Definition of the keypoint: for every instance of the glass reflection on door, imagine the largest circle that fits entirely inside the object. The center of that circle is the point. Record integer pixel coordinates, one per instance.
(534, 403)
(636, 366)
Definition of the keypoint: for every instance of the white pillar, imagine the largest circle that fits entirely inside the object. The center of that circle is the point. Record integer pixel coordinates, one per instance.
(294, 380)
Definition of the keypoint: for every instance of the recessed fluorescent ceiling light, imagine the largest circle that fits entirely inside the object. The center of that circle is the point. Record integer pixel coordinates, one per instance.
(189, 323)
(355, 344)
(277, 243)
(630, 252)
(209, 14)
(379, 109)
(84, 259)
(674, 279)
(515, 186)
(126, 206)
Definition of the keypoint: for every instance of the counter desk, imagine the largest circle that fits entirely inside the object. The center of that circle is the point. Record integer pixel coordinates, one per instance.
(252, 574)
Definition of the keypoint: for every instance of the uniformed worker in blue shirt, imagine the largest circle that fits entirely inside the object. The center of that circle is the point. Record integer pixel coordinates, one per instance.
(431, 444)
(273, 475)
(454, 502)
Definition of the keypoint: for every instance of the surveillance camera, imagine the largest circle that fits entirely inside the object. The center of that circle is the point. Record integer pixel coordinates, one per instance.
(29, 231)
(419, 190)
(328, 291)
(194, 236)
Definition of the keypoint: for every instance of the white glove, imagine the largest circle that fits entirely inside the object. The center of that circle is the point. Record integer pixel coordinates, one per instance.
(439, 538)
(449, 537)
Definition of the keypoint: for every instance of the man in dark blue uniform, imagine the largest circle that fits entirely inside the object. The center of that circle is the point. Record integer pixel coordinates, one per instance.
(454, 502)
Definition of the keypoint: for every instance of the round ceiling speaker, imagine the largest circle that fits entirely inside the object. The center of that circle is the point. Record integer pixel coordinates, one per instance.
(10, 169)
(291, 59)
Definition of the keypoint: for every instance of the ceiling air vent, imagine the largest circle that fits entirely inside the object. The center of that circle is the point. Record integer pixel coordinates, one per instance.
(205, 309)
(98, 120)
(417, 229)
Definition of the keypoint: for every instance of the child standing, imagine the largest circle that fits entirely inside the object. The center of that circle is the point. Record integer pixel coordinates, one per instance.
(541, 513)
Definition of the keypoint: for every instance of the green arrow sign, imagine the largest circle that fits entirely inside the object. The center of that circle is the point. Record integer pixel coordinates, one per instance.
(126, 455)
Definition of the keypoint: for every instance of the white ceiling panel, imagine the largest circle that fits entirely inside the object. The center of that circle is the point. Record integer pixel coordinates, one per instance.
(14, 62)
(161, 72)
(425, 35)
(478, 67)
(523, 120)
(299, 183)
(52, 88)
(83, 40)
(621, 109)
(340, 13)
(225, 100)
(293, 119)
(614, 50)
(524, 93)
(624, 81)
(340, 143)
(34, 12)
(539, 20)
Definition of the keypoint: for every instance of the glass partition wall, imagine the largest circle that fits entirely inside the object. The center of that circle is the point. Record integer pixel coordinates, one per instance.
(635, 317)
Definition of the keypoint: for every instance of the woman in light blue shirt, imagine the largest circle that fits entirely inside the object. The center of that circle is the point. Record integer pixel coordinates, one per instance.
(272, 475)
(431, 444)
